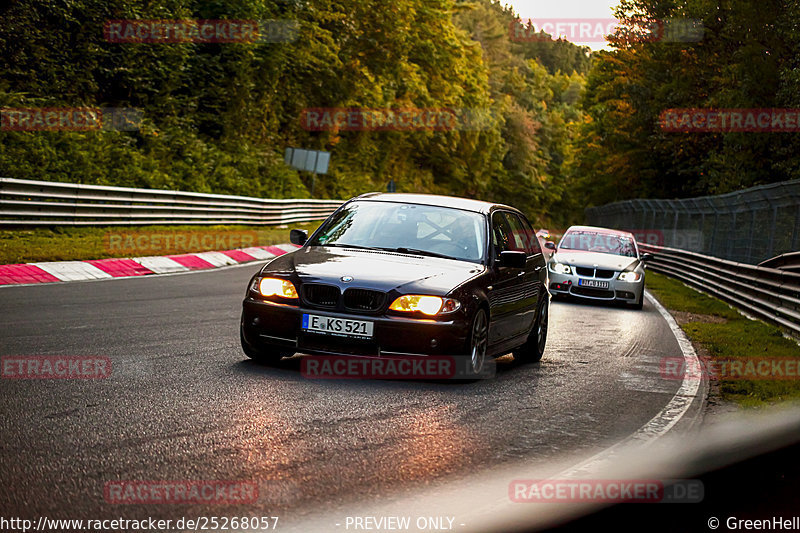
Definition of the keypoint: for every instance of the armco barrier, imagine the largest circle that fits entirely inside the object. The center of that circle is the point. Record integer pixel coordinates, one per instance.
(50, 203)
(770, 294)
(789, 261)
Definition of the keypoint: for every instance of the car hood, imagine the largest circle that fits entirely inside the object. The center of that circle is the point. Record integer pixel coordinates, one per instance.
(375, 270)
(594, 260)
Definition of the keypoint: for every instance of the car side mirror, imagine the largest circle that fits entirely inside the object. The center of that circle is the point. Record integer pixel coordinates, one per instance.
(298, 236)
(550, 245)
(513, 259)
(646, 257)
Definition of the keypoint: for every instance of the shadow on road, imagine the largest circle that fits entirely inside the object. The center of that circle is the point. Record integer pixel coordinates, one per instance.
(581, 302)
(290, 368)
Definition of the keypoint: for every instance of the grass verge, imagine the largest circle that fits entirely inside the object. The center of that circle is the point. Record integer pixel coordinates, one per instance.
(79, 243)
(722, 333)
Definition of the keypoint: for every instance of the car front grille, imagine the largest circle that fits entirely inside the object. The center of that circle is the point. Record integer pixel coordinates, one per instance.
(594, 273)
(363, 300)
(593, 293)
(321, 295)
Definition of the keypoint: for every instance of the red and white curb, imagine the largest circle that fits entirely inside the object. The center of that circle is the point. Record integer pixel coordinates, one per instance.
(137, 266)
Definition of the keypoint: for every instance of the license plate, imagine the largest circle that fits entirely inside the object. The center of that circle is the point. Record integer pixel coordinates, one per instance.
(341, 327)
(593, 283)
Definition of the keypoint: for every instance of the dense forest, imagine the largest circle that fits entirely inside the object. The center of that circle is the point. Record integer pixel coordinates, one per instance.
(748, 57)
(218, 116)
(560, 128)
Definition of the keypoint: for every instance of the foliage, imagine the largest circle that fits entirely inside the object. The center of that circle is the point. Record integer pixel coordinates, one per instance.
(217, 117)
(747, 57)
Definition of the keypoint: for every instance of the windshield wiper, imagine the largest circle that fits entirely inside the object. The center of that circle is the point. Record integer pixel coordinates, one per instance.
(414, 251)
(356, 246)
(400, 250)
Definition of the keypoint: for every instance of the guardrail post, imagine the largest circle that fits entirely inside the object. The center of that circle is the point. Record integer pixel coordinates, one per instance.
(76, 198)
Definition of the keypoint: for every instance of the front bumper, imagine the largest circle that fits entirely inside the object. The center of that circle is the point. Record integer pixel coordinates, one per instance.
(269, 325)
(623, 291)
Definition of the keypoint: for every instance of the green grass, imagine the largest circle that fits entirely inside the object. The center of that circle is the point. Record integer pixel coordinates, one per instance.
(734, 337)
(676, 296)
(68, 243)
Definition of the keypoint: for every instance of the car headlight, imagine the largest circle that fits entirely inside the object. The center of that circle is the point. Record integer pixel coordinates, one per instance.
(277, 287)
(427, 305)
(629, 276)
(560, 268)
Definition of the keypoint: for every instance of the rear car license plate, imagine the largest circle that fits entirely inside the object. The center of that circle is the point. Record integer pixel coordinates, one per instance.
(593, 283)
(341, 327)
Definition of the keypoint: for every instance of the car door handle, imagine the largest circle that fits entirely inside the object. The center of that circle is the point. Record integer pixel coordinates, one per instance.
(537, 269)
(521, 274)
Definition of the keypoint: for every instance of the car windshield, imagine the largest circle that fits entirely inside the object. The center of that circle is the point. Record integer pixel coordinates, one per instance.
(406, 228)
(593, 241)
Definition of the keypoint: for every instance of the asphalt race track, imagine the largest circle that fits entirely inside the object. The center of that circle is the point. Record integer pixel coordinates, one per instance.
(184, 403)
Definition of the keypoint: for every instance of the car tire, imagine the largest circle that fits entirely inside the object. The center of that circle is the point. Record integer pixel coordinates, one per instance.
(266, 356)
(639, 305)
(478, 344)
(533, 349)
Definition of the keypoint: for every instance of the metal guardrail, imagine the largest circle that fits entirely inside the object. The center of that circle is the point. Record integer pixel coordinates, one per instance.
(790, 262)
(50, 203)
(768, 293)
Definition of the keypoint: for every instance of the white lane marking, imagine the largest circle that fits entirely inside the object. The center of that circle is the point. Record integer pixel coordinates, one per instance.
(666, 419)
(217, 259)
(160, 265)
(73, 270)
(645, 435)
(258, 253)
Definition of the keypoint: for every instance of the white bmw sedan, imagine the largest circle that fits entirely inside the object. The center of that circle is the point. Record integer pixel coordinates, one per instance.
(598, 264)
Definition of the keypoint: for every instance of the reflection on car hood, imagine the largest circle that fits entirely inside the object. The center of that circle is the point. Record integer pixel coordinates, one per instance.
(590, 259)
(374, 270)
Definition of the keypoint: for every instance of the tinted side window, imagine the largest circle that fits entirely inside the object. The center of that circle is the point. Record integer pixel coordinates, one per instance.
(533, 241)
(524, 239)
(518, 239)
(501, 234)
(505, 236)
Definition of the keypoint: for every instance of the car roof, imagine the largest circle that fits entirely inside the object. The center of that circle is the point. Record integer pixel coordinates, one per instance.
(465, 204)
(596, 229)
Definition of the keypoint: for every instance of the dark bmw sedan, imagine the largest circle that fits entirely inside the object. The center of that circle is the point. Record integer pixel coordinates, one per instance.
(408, 276)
